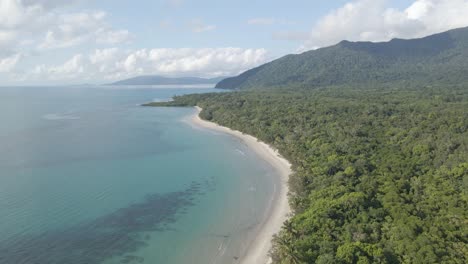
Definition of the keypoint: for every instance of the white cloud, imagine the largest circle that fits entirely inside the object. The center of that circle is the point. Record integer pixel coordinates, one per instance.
(103, 55)
(198, 26)
(224, 61)
(14, 20)
(261, 21)
(7, 38)
(13, 13)
(113, 36)
(39, 21)
(373, 20)
(74, 29)
(60, 39)
(113, 64)
(197, 62)
(418, 9)
(49, 4)
(8, 63)
(73, 68)
(130, 63)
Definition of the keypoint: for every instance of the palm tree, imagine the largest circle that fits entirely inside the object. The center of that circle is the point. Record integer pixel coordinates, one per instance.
(284, 248)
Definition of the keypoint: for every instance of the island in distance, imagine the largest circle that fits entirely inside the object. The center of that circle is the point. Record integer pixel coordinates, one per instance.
(161, 80)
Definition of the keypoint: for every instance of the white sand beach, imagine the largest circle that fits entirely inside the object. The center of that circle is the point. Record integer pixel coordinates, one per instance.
(257, 252)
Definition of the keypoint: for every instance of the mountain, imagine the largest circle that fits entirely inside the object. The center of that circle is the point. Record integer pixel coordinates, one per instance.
(160, 80)
(439, 58)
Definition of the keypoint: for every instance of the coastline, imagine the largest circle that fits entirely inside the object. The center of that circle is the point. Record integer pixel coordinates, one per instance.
(277, 214)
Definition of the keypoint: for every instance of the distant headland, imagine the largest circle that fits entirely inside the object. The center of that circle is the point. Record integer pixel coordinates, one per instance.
(161, 80)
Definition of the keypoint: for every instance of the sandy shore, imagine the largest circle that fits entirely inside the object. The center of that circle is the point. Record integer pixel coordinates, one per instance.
(257, 252)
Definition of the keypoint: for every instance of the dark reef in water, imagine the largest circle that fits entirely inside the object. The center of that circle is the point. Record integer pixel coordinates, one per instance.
(117, 234)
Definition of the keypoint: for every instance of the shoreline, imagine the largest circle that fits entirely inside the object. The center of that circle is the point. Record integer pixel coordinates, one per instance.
(258, 249)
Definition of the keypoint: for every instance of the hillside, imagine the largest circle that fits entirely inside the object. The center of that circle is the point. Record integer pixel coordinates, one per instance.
(440, 58)
(160, 80)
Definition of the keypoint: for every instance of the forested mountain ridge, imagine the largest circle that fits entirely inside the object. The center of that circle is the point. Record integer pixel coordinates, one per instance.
(436, 59)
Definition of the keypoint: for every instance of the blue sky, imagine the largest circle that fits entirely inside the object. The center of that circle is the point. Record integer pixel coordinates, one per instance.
(148, 19)
(83, 41)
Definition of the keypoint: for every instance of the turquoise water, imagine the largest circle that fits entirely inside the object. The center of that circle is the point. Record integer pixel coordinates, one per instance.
(89, 176)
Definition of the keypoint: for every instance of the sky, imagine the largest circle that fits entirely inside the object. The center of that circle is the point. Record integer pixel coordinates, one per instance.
(84, 41)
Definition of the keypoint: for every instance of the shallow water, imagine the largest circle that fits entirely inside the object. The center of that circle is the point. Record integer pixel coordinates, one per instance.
(89, 176)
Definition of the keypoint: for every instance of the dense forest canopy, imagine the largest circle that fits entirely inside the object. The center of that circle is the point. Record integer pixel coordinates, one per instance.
(381, 175)
(378, 137)
(436, 59)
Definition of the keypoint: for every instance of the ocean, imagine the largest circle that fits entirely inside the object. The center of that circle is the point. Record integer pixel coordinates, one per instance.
(87, 175)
